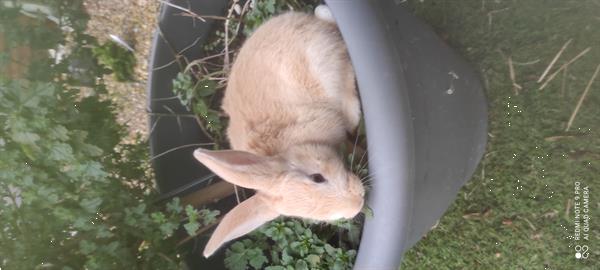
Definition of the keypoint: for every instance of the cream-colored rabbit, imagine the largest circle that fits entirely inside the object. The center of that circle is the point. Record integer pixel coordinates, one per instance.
(291, 99)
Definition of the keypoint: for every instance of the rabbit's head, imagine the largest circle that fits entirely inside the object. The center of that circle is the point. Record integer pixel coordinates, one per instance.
(308, 181)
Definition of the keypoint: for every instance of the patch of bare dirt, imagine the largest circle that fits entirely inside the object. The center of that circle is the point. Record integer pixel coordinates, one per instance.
(133, 21)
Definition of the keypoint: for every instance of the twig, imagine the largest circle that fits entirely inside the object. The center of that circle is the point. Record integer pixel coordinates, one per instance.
(554, 60)
(163, 99)
(242, 14)
(162, 255)
(178, 148)
(226, 49)
(165, 65)
(585, 92)
(176, 115)
(526, 63)
(568, 210)
(172, 115)
(210, 17)
(489, 14)
(154, 125)
(189, 46)
(511, 70)
(197, 62)
(565, 65)
(557, 138)
(183, 9)
(206, 133)
(176, 56)
(528, 222)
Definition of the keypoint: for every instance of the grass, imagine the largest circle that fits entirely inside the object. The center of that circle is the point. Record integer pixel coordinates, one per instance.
(517, 210)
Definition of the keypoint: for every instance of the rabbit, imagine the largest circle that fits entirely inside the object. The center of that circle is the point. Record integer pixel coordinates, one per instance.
(291, 100)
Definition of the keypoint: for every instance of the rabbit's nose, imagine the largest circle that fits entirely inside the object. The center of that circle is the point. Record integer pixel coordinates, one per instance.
(356, 205)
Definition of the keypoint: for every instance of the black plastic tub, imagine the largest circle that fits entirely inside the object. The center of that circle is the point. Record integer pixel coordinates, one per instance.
(424, 108)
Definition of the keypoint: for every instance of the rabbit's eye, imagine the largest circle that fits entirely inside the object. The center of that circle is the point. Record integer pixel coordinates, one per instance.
(318, 178)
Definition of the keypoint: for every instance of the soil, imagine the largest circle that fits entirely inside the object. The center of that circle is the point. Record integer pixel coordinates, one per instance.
(134, 22)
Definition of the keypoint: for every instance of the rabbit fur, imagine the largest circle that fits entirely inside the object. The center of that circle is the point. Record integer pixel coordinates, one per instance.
(291, 99)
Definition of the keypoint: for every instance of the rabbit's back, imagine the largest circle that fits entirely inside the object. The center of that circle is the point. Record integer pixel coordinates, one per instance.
(292, 82)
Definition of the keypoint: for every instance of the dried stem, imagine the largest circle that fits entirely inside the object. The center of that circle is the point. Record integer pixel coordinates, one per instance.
(565, 65)
(210, 17)
(226, 26)
(178, 148)
(491, 14)
(176, 55)
(242, 14)
(198, 62)
(526, 63)
(585, 92)
(511, 70)
(203, 128)
(188, 11)
(554, 60)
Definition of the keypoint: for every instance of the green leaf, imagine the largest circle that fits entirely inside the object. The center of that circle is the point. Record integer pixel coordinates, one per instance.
(82, 223)
(339, 265)
(87, 247)
(183, 87)
(191, 227)
(174, 207)
(237, 247)
(301, 265)
(286, 259)
(91, 150)
(313, 260)
(168, 228)
(24, 137)
(201, 108)
(61, 152)
(103, 232)
(330, 250)
(258, 261)
(274, 256)
(209, 216)
(206, 88)
(368, 211)
(235, 261)
(112, 247)
(158, 217)
(191, 213)
(59, 132)
(94, 170)
(276, 267)
(91, 205)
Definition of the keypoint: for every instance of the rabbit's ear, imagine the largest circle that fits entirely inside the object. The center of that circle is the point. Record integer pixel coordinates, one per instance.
(241, 168)
(242, 219)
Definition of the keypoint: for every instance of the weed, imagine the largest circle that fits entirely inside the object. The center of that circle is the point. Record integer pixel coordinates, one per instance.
(116, 58)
